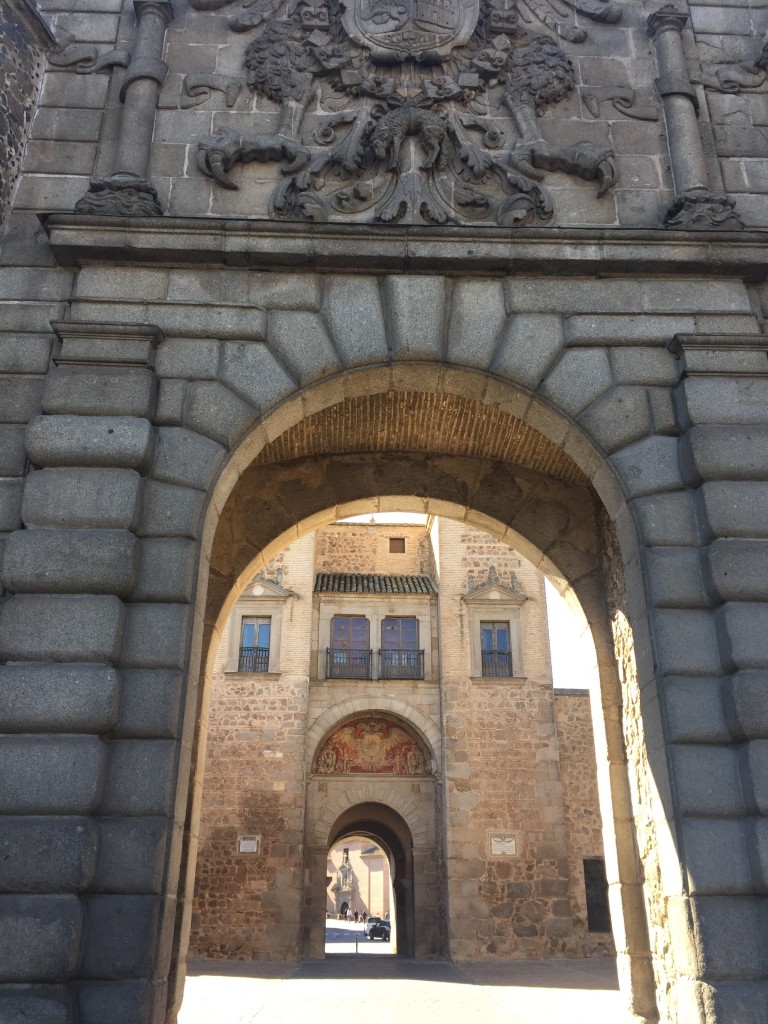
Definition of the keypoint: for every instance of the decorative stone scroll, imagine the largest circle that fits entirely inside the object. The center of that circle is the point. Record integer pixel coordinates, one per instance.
(372, 744)
(409, 111)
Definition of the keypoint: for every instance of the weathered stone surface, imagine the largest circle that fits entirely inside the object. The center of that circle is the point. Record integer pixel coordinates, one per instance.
(253, 373)
(531, 344)
(71, 561)
(131, 855)
(302, 344)
(716, 856)
(155, 636)
(675, 578)
(119, 942)
(743, 637)
(166, 570)
(189, 358)
(212, 410)
(58, 698)
(618, 418)
(50, 774)
(39, 937)
(186, 458)
(91, 392)
(648, 466)
(149, 704)
(120, 441)
(120, 1002)
(20, 398)
(140, 778)
(10, 504)
(686, 642)
(577, 379)
(414, 311)
(746, 692)
(38, 627)
(476, 319)
(708, 781)
(82, 498)
(170, 511)
(737, 570)
(47, 854)
(734, 509)
(12, 455)
(20, 1007)
(169, 409)
(353, 311)
(713, 452)
(693, 709)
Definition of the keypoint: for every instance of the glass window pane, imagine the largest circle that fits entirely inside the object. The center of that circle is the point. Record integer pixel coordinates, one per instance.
(502, 638)
(263, 634)
(248, 634)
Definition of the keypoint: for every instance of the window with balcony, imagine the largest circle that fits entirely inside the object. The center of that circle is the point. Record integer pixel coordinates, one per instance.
(350, 655)
(495, 655)
(254, 645)
(400, 656)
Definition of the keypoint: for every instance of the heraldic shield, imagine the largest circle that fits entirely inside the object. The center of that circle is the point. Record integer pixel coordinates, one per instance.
(393, 30)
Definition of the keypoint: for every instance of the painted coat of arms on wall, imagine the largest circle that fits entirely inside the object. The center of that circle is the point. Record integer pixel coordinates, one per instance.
(409, 111)
(372, 744)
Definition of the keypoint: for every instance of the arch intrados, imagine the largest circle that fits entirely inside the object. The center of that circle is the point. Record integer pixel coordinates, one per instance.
(377, 819)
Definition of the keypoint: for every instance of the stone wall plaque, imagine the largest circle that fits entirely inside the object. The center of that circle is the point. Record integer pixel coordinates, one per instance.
(503, 845)
(249, 844)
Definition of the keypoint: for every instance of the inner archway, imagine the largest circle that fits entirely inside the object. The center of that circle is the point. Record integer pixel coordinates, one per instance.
(551, 517)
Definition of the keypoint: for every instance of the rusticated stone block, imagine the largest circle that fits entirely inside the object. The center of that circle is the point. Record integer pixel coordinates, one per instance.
(119, 1002)
(119, 441)
(82, 498)
(649, 466)
(121, 936)
(50, 774)
(13, 458)
(140, 778)
(47, 854)
(716, 857)
(708, 781)
(618, 418)
(686, 642)
(20, 398)
(100, 392)
(531, 344)
(693, 709)
(675, 578)
(755, 754)
(713, 452)
(254, 373)
(131, 855)
(71, 561)
(746, 692)
(734, 509)
(170, 511)
(737, 570)
(43, 627)
(725, 928)
(20, 1005)
(39, 937)
(578, 378)
(155, 636)
(58, 698)
(745, 1002)
(10, 504)
(149, 704)
(743, 636)
(166, 570)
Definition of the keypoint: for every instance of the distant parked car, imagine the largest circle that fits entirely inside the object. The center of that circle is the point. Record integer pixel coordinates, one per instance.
(377, 928)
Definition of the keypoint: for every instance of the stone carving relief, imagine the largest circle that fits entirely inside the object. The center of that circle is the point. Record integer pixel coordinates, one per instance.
(85, 58)
(719, 71)
(410, 111)
(372, 744)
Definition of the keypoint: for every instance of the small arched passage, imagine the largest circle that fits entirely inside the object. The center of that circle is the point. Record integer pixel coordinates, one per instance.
(385, 827)
(466, 446)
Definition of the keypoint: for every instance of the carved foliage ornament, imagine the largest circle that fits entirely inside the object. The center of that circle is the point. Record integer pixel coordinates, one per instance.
(409, 111)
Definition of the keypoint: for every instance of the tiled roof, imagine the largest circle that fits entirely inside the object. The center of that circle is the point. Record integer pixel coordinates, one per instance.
(371, 583)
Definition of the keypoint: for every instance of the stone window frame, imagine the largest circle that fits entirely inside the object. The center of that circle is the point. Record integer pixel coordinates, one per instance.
(498, 604)
(376, 608)
(265, 600)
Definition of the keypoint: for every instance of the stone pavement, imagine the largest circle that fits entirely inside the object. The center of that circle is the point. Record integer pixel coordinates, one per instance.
(392, 989)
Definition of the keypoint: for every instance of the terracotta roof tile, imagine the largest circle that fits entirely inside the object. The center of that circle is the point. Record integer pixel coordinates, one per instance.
(371, 583)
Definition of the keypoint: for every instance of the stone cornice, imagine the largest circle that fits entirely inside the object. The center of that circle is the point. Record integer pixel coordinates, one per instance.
(77, 240)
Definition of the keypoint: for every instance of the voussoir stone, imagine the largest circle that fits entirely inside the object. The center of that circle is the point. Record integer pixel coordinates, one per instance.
(414, 311)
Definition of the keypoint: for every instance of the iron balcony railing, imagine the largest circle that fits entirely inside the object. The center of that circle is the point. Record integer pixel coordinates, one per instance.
(496, 663)
(253, 659)
(401, 664)
(341, 663)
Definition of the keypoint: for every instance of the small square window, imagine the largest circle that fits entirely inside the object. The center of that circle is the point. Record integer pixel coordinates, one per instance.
(397, 545)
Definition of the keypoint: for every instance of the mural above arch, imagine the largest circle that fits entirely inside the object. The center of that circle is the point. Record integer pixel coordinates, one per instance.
(372, 744)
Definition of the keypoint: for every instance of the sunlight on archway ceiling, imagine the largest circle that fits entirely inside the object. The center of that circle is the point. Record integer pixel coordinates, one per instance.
(410, 421)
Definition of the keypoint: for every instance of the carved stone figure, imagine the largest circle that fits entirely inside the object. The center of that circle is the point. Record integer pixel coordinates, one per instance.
(423, 111)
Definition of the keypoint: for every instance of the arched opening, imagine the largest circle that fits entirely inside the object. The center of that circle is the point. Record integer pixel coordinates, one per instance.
(532, 495)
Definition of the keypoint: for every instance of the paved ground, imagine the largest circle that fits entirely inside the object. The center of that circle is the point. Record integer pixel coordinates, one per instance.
(379, 989)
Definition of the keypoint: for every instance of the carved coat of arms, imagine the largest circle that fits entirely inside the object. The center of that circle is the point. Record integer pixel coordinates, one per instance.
(409, 111)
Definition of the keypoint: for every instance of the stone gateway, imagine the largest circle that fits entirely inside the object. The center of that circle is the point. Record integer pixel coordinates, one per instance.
(267, 265)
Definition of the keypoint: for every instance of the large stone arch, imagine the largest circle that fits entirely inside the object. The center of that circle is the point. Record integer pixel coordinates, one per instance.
(129, 577)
